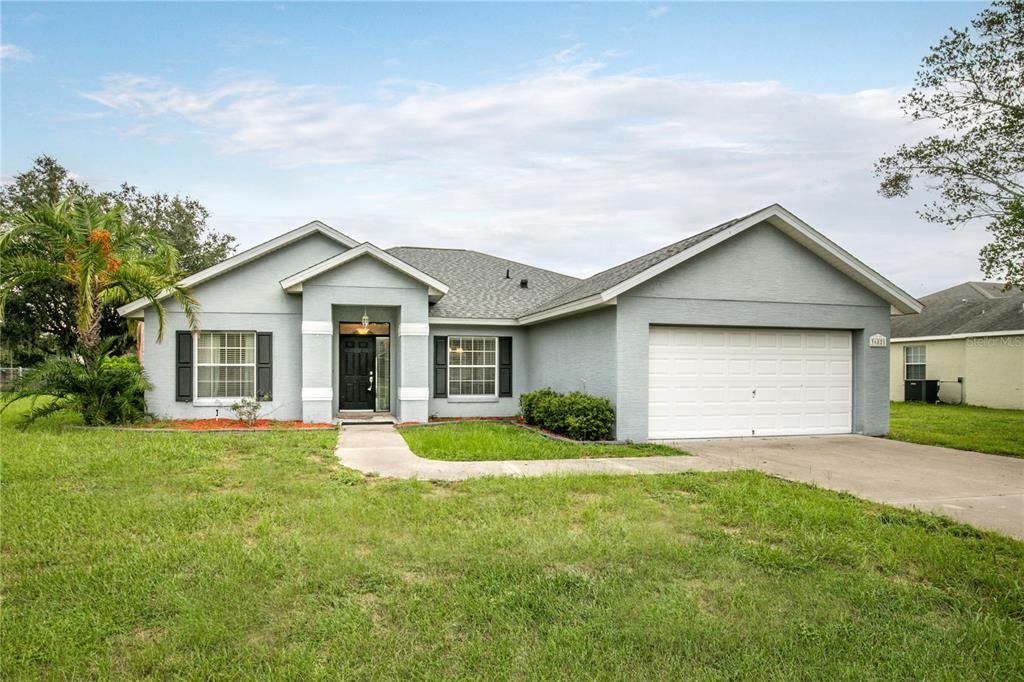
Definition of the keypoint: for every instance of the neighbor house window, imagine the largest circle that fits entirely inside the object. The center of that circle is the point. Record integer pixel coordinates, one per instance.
(226, 365)
(472, 365)
(914, 363)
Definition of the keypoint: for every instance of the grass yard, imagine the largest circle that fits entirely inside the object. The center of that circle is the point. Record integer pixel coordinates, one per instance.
(982, 429)
(204, 556)
(476, 441)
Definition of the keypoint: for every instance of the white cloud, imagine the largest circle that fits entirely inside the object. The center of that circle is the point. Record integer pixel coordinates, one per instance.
(659, 11)
(9, 52)
(569, 167)
(569, 54)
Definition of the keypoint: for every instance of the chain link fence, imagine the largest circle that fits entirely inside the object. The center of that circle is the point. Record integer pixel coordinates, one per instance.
(8, 375)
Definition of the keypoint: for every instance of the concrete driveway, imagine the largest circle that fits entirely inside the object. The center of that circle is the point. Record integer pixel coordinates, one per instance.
(986, 491)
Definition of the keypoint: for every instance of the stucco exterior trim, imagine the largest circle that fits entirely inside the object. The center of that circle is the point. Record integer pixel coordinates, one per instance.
(312, 394)
(317, 327)
(413, 393)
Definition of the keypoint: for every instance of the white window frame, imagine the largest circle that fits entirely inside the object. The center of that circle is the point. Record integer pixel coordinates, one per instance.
(220, 401)
(487, 397)
(923, 363)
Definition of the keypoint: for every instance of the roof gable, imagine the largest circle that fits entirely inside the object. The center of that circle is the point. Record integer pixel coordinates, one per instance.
(293, 283)
(135, 308)
(605, 286)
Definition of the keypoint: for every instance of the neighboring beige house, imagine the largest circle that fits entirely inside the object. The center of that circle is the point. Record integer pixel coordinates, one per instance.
(970, 338)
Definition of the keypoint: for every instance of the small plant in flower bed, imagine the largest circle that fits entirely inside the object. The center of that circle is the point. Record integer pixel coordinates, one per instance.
(247, 410)
(579, 416)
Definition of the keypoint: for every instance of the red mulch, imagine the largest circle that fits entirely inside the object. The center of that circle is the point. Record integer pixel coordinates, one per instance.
(212, 424)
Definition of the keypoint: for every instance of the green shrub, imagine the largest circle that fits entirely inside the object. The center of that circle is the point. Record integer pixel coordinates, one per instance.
(532, 404)
(577, 415)
(586, 417)
(104, 389)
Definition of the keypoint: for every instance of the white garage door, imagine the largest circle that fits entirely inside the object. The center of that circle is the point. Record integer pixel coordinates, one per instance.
(711, 382)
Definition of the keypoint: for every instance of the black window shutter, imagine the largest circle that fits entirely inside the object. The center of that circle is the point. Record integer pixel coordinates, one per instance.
(183, 364)
(505, 366)
(264, 366)
(440, 366)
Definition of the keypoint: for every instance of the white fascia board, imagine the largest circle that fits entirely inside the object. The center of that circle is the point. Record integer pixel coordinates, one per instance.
(803, 234)
(571, 308)
(474, 321)
(244, 257)
(293, 283)
(953, 337)
(844, 261)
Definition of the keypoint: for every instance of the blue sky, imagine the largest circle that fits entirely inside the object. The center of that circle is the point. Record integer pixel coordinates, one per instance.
(543, 132)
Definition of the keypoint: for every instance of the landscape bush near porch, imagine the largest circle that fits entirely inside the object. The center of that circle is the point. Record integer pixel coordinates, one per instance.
(577, 415)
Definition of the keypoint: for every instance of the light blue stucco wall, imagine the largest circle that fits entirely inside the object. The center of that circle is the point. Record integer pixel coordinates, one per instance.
(575, 354)
(248, 298)
(489, 407)
(760, 278)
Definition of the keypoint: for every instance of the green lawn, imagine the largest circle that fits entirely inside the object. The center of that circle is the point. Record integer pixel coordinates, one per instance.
(963, 427)
(204, 556)
(481, 441)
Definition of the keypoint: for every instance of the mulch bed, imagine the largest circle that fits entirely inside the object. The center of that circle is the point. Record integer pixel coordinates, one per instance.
(234, 425)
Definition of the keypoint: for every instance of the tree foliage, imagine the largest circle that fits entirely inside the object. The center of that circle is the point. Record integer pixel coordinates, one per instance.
(40, 319)
(971, 86)
(103, 389)
(104, 260)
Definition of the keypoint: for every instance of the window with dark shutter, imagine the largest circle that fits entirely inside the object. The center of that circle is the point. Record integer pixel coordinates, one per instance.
(505, 366)
(183, 367)
(264, 366)
(440, 366)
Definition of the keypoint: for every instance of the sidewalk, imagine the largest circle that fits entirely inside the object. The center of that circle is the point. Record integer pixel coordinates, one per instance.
(380, 449)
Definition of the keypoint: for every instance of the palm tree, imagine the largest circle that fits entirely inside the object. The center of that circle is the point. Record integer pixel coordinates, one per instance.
(104, 259)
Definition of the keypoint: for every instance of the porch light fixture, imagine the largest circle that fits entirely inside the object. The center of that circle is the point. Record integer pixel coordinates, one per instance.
(365, 322)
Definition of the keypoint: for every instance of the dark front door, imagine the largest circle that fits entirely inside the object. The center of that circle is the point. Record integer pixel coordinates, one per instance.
(357, 354)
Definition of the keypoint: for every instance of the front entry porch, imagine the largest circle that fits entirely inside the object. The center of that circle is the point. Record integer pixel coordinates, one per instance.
(357, 366)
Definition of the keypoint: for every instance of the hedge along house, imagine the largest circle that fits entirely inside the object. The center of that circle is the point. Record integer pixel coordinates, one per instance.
(758, 326)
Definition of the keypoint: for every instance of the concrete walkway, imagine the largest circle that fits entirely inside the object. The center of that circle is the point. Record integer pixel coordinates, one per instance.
(381, 450)
(984, 490)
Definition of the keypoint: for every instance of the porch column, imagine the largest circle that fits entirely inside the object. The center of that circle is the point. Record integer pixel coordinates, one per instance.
(317, 392)
(413, 387)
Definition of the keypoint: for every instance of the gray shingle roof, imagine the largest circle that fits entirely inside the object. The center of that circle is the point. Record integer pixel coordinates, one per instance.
(965, 308)
(620, 273)
(478, 287)
(477, 284)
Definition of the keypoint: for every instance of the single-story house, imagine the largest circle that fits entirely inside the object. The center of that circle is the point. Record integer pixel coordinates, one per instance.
(970, 340)
(758, 326)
